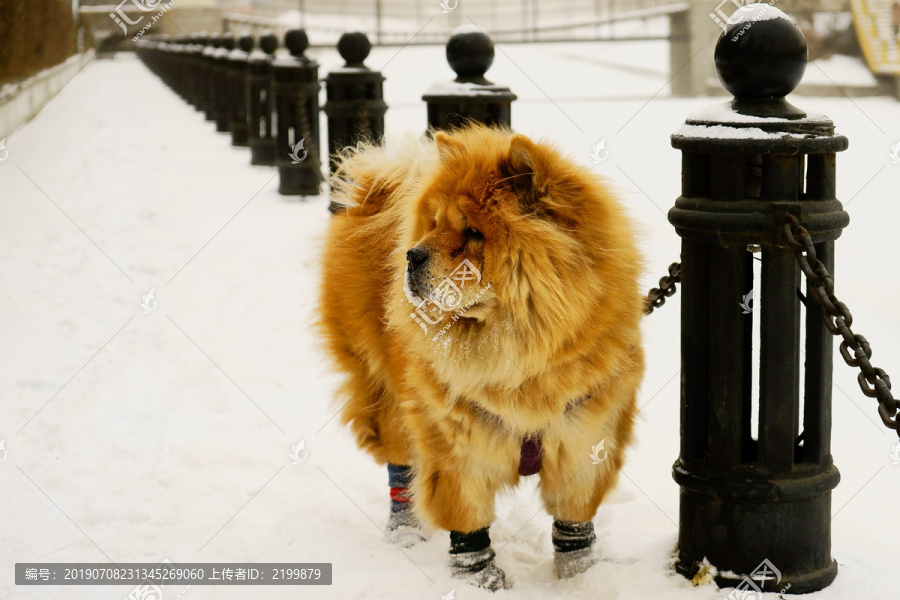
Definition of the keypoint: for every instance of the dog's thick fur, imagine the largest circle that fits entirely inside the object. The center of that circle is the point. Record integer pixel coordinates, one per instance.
(560, 320)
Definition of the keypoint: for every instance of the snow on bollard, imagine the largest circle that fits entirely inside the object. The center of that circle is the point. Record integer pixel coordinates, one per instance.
(756, 502)
(469, 97)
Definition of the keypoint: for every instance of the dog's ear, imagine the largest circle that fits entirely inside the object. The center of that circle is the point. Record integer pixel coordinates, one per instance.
(525, 171)
(447, 146)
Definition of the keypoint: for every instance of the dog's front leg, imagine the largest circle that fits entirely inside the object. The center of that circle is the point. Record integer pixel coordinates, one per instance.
(457, 476)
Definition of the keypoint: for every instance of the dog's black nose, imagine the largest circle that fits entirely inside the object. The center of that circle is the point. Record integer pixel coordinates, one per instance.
(417, 257)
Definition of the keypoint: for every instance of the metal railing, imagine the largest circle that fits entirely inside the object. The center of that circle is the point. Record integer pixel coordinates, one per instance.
(390, 22)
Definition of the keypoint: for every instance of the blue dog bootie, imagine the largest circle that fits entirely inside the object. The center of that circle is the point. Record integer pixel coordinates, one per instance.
(403, 526)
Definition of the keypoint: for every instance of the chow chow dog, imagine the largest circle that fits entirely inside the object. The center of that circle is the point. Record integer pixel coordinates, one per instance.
(480, 293)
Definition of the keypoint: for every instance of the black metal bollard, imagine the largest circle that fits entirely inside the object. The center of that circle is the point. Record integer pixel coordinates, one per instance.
(209, 59)
(756, 502)
(191, 58)
(182, 67)
(199, 70)
(259, 102)
(237, 91)
(470, 97)
(355, 105)
(221, 76)
(295, 94)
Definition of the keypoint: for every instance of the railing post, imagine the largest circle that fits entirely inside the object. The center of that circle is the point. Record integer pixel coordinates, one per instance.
(295, 91)
(200, 70)
(259, 102)
(237, 91)
(355, 105)
(221, 75)
(209, 59)
(470, 97)
(755, 503)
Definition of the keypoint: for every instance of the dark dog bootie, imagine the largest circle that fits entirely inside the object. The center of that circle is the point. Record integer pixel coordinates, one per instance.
(573, 548)
(472, 560)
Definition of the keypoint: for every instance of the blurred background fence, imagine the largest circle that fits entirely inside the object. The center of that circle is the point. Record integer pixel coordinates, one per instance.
(405, 21)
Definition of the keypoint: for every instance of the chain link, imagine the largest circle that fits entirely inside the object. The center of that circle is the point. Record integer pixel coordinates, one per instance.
(657, 296)
(873, 382)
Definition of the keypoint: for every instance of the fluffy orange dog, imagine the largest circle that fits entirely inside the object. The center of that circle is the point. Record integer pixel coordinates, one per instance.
(480, 293)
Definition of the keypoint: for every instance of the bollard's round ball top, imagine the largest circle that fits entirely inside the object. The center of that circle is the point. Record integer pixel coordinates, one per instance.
(215, 39)
(296, 42)
(354, 48)
(470, 53)
(228, 41)
(761, 54)
(246, 42)
(268, 43)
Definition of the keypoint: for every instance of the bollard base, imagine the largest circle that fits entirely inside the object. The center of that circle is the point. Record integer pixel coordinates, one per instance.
(737, 524)
(239, 135)
(804, 583)
(298, 182)
(222, 123)
(262, 152)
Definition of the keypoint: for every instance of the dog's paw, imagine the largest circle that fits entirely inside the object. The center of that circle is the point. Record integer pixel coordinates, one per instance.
(478, 569)
(403, 529)
(491, 578)
(569, 564)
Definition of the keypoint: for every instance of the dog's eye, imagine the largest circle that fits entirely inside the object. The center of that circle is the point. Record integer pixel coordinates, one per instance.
(473, 234)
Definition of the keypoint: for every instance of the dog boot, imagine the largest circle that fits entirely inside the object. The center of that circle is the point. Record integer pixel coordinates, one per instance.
(403, 526)
(472, 559)
(573, 547)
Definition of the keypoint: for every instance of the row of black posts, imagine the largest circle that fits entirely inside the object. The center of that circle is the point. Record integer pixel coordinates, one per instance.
(269, 100)
(755, 499)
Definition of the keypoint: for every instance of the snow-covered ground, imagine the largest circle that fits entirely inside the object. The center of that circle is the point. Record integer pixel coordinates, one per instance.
(140, 437)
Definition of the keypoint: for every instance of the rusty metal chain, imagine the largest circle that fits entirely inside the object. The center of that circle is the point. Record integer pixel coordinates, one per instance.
(873, 381)
(657, 296)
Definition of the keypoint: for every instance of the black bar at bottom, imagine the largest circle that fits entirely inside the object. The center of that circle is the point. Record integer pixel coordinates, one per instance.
(168, 573)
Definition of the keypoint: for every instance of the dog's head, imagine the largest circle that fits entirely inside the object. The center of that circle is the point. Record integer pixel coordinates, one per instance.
(509, 234)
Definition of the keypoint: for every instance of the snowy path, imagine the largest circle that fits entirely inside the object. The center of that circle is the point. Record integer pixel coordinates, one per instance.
(138, 437)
